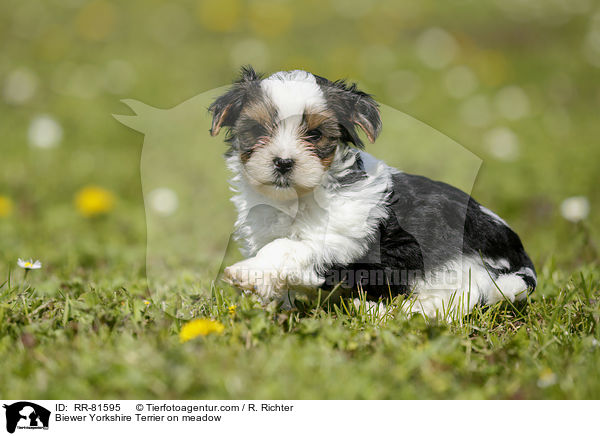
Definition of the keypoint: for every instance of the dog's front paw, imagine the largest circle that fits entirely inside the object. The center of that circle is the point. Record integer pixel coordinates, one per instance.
(257, 277)
(241, 275)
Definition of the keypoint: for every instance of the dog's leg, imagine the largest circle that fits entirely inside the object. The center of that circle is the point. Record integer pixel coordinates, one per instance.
(455, 304)
(278, 266)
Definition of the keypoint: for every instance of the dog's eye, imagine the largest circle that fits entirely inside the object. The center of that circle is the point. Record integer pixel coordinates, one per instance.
(313, 135)
(258, 130)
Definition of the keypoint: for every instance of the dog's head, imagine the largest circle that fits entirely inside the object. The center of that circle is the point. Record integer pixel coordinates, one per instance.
(284, 130)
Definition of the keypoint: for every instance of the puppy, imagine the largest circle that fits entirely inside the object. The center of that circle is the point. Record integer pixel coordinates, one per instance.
(316, 211)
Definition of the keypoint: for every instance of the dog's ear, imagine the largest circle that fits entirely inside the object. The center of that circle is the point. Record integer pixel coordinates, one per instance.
(367, 116)
(353, 108)
(226, 108)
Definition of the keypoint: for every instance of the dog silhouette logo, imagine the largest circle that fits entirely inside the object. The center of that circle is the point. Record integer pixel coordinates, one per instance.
(26, 415)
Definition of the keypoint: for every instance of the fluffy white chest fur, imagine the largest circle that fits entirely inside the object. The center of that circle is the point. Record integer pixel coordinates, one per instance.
(291, 239)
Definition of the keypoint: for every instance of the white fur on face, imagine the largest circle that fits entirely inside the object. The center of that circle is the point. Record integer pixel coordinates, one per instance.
(291, 93)
(307, 173)
(338, 226)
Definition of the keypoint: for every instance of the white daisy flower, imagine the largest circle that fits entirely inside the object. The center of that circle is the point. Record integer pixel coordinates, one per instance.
(502, 143)
(436, 48)
(29, 264)
(575, 208)
(512, 103)
(164, 201)
(44, 132)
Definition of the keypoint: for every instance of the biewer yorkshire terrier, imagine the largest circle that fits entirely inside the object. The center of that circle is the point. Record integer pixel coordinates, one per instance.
(316, 211)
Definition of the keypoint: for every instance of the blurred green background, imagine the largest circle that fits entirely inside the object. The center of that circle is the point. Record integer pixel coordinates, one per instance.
(513, 81)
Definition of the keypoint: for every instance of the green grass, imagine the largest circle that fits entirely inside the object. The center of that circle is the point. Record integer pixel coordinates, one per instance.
(102, 340)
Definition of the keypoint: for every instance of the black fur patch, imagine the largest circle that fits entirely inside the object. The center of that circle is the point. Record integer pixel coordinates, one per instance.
(356, 172)
(429, 224)
(226, 108)
(352, 108)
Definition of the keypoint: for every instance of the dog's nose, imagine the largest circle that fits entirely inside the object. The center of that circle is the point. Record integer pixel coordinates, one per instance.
(283, 166)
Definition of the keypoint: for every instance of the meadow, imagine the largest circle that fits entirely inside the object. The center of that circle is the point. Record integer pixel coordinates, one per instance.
(500, 98)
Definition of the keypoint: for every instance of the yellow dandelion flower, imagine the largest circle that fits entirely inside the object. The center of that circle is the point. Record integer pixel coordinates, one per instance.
(93, 200)
(232, 309)
(199, 327)
(6, 206)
